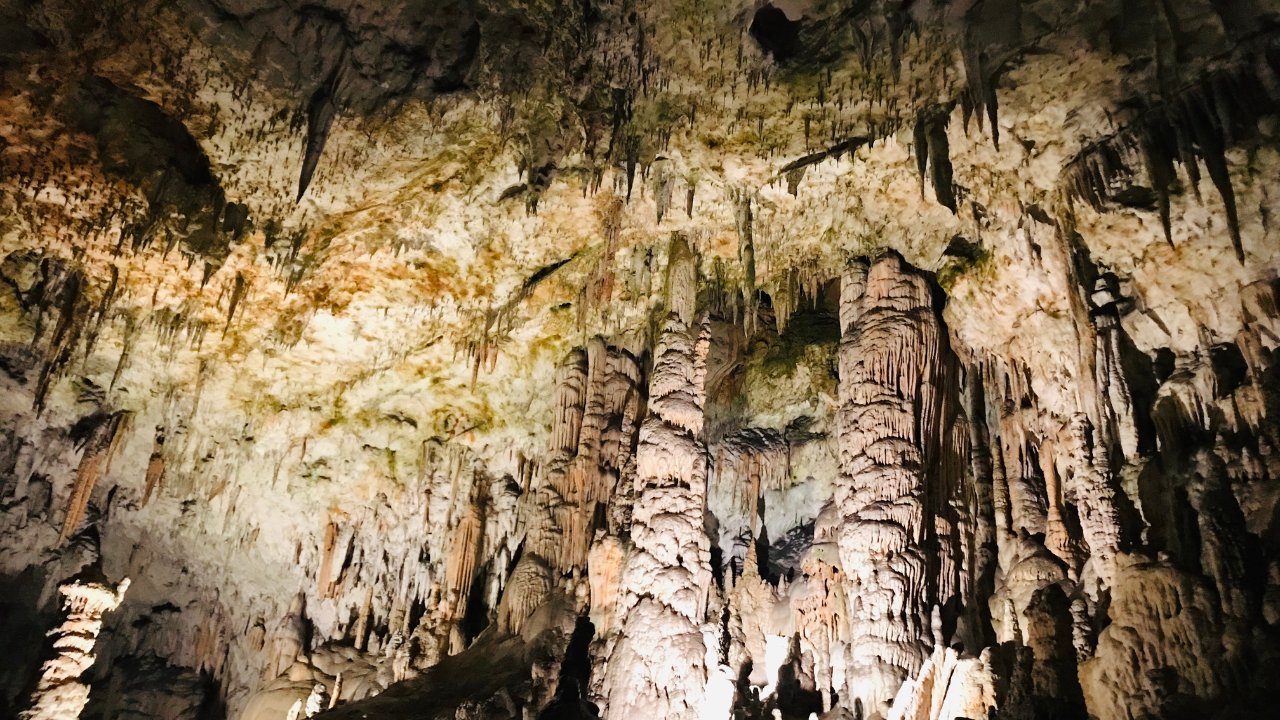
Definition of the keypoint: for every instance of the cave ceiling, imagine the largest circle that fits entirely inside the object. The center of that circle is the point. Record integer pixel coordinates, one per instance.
(349, 203)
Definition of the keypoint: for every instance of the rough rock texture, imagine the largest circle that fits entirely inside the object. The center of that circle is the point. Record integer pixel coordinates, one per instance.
(61, 691)
(898, 471)
(597, 404)
(658, 667)
(337, 327)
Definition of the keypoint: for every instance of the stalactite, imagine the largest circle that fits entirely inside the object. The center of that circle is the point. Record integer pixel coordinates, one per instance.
(1196, 125)
(657, 668)
(793, 177)
(750, 462)
(66, 333)
(663, 185)
(597, 405)
(99, 448)
(361, 632)
(155, 469)
(60, 693)
(744, 220)
(337, 541)
(460, 567)
(933, 154)
(1116, 404)
(288, 639)
(237, 294)
(321, 111)
(948, 481)
(1027, 506)
(681, 289)
(102, 312)
(597, 292)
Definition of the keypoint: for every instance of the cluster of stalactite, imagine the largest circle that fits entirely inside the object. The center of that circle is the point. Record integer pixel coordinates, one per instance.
(597, 405)
(985, 552)
(979, 552)
(404, 612)
(750, 462)
(1196, 125)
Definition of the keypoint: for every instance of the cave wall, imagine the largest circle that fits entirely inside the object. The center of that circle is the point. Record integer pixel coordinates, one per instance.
(345, 332)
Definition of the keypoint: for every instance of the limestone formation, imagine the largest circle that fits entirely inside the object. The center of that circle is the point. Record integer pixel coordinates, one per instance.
(104, 439)
(658, 668)
(750, 462)
(893, 386)
(947, 687)
(370, 340)
(593, 434)
(62, 692)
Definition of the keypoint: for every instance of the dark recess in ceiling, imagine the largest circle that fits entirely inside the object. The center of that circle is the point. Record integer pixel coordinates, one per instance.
(776, 34)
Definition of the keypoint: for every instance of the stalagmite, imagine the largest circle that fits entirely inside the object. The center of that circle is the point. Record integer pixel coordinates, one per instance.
(1113, 389)
(605, 564)
(60, 694)
(947, 688)
(1095, 498)
(986, 546)
(361, 632)
(967, 429)
(530, 584)
(1057, 538)
(890, 423)
(658, 668)
(287, 640)
(820, 607)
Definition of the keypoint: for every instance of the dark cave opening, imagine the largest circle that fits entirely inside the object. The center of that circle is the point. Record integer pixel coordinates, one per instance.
(777, 34)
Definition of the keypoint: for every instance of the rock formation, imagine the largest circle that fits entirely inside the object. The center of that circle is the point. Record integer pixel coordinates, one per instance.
(896, 460)
(62, 692)
(658, 668)
(604, 359)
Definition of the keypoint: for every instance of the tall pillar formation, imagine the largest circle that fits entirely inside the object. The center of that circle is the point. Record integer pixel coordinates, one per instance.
(894, 419)
(60, 694)
(658, 668)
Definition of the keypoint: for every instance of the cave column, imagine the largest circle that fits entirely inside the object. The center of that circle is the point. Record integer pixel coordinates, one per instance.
(658, 668)
(60, 694)
(888, 423)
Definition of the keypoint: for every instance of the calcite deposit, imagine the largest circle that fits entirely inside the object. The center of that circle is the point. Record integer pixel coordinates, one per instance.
(61, 691)
(639, 359)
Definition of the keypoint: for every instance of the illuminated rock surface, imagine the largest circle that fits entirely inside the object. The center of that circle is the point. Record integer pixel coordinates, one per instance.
(677, 358)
